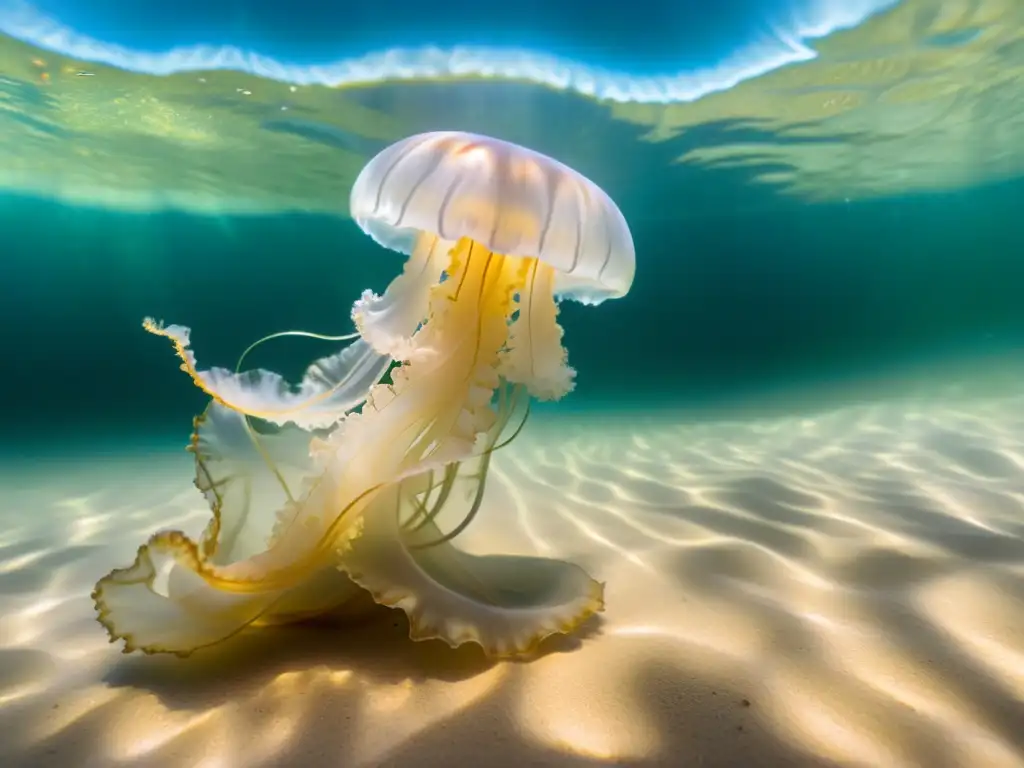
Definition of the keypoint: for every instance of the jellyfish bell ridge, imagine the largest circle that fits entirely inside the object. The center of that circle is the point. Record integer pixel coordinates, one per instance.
(509, 199)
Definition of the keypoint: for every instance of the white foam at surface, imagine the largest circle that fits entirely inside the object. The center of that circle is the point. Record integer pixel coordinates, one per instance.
(788, 43)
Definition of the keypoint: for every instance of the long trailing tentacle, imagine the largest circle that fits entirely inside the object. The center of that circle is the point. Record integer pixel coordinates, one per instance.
(421, 517)
(481, 483)
(451, 474)
(279, 334)
(253, 434)
(479, 476)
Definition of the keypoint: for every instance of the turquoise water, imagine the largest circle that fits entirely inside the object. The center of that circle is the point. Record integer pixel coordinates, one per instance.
(794, 453)
(726, 303)
(835, 219)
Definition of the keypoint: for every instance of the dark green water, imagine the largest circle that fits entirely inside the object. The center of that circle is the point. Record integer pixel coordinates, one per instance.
(729, 302)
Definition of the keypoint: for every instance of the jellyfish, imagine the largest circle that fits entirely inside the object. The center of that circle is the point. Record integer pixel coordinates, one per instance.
(335, 486)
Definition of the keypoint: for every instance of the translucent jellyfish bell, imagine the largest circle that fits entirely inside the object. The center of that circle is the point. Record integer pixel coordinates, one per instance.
(507, 198)
(444, 193)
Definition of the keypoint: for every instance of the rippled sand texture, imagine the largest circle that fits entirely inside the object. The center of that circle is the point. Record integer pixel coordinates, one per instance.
(839, 589)
(924, 96)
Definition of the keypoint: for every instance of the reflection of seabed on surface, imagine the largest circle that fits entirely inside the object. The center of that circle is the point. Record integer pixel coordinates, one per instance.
(842, 589)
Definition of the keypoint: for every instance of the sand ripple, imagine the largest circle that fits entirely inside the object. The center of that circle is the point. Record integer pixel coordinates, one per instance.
(842, 589)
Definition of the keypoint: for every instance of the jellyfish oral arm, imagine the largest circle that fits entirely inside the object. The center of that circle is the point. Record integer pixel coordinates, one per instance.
(388, 322)
(330, 388)
(439, 401)
(179, 596)
(534, 355)
(505, 604)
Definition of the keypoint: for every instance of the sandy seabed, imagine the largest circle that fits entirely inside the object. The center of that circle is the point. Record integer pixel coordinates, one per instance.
(843, 588)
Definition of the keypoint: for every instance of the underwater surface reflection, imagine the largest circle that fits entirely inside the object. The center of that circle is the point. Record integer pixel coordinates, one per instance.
(920, 97)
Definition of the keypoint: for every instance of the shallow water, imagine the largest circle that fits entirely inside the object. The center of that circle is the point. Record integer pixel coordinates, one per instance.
(794, 452)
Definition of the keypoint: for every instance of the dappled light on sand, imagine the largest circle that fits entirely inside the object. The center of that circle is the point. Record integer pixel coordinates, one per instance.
(839, 588)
